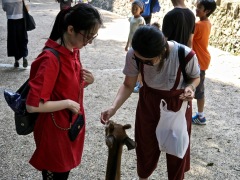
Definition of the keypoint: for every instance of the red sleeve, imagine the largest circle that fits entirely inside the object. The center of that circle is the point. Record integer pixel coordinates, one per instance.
(43, 75)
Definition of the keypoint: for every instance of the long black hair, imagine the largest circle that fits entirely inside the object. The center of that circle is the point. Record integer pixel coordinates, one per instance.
(150, 42)
(82, 16)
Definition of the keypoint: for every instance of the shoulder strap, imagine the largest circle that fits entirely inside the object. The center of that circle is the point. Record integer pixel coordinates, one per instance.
(54, 52)
(58, 58)
(137, 61)
(184, 60)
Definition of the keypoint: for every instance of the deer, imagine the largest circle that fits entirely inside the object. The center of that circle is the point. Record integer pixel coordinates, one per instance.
(115, 138)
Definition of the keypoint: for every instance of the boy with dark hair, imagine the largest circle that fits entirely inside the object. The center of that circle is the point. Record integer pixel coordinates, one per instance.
(178, 24)
(200, 44)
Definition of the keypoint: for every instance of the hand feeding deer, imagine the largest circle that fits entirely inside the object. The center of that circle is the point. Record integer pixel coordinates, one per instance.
(116, 137)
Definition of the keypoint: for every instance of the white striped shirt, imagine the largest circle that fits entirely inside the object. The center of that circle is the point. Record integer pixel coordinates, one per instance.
(13, 8)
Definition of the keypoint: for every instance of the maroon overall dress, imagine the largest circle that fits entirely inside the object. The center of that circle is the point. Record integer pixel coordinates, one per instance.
(147, 117)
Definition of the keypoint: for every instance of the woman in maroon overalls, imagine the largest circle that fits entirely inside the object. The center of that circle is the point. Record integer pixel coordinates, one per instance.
(157, 60)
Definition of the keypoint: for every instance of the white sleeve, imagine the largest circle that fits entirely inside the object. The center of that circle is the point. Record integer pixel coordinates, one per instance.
(130, 68)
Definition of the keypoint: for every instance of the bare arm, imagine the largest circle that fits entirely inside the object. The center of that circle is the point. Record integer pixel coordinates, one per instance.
(189, 44)
(51, 106)
(127, 45)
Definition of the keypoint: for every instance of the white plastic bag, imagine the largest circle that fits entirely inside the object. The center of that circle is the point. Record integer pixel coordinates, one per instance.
(171, 130)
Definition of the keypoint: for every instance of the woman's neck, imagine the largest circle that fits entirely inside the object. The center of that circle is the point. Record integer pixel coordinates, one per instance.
(64, 42)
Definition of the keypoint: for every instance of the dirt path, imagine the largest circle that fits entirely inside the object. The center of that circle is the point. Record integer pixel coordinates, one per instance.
(218, 142)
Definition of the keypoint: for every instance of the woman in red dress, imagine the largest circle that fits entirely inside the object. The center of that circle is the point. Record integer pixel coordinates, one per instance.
(56, 91)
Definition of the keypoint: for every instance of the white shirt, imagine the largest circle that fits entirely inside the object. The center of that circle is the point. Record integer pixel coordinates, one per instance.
(165, 78)
(13, 8)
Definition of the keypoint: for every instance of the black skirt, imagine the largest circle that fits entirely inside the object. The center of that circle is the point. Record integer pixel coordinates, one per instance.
(17, 39)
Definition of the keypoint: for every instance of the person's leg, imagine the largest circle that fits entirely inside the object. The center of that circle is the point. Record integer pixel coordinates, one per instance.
(12, 48)
(24, 46)
(176, 167)
(199, 118)
(148, 19)
(147, 150)
(200, 105)
(47, 175)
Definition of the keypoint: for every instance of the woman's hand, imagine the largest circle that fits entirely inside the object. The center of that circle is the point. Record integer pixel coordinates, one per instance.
(106, 115)
(188, 93)
(87, 76)
(73, 106)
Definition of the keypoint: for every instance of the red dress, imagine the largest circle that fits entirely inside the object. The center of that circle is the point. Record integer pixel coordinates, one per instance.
(51, 80)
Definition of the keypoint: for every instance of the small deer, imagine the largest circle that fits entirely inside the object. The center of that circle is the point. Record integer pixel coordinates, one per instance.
(116, 137)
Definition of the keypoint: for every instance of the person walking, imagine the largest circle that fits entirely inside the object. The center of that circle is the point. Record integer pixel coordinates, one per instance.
(147, 14)
(17, 37)
(200, 44)
(56, 92)
(157, 60)
(148, 9)
(135, 21)
(179, 23)
(64, 4)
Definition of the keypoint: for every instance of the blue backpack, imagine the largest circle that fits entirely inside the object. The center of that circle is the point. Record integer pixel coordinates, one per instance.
(147, 11)
(156, 7)
(148, 5)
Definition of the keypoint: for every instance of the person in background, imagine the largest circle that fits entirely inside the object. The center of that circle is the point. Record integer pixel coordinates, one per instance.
(148, 9)
(147, 15)
(56, 91)
(157, 60)
(135, 21)
(17, 37)
(200, 44)
(64, 3)
(179, 23)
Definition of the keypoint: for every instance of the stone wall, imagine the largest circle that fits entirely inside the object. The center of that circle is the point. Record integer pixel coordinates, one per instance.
(225, 20)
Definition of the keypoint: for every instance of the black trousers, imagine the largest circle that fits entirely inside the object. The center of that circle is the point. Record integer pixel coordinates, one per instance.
(47, 175)
(148, 19)
(17, 38)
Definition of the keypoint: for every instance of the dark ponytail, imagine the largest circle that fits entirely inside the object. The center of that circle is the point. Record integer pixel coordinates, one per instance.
(82, 16)
(58, 30)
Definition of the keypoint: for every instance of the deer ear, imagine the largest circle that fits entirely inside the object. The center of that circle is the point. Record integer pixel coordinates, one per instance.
(127, 126)
(129, 143)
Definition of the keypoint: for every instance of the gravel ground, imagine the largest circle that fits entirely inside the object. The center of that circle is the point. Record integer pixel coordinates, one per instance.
(215, 147)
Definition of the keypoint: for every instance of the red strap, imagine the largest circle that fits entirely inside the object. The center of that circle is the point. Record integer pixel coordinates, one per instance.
(187, 59)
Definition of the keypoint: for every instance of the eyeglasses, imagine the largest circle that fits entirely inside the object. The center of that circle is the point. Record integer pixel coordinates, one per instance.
(147, 62)
(88, 38)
